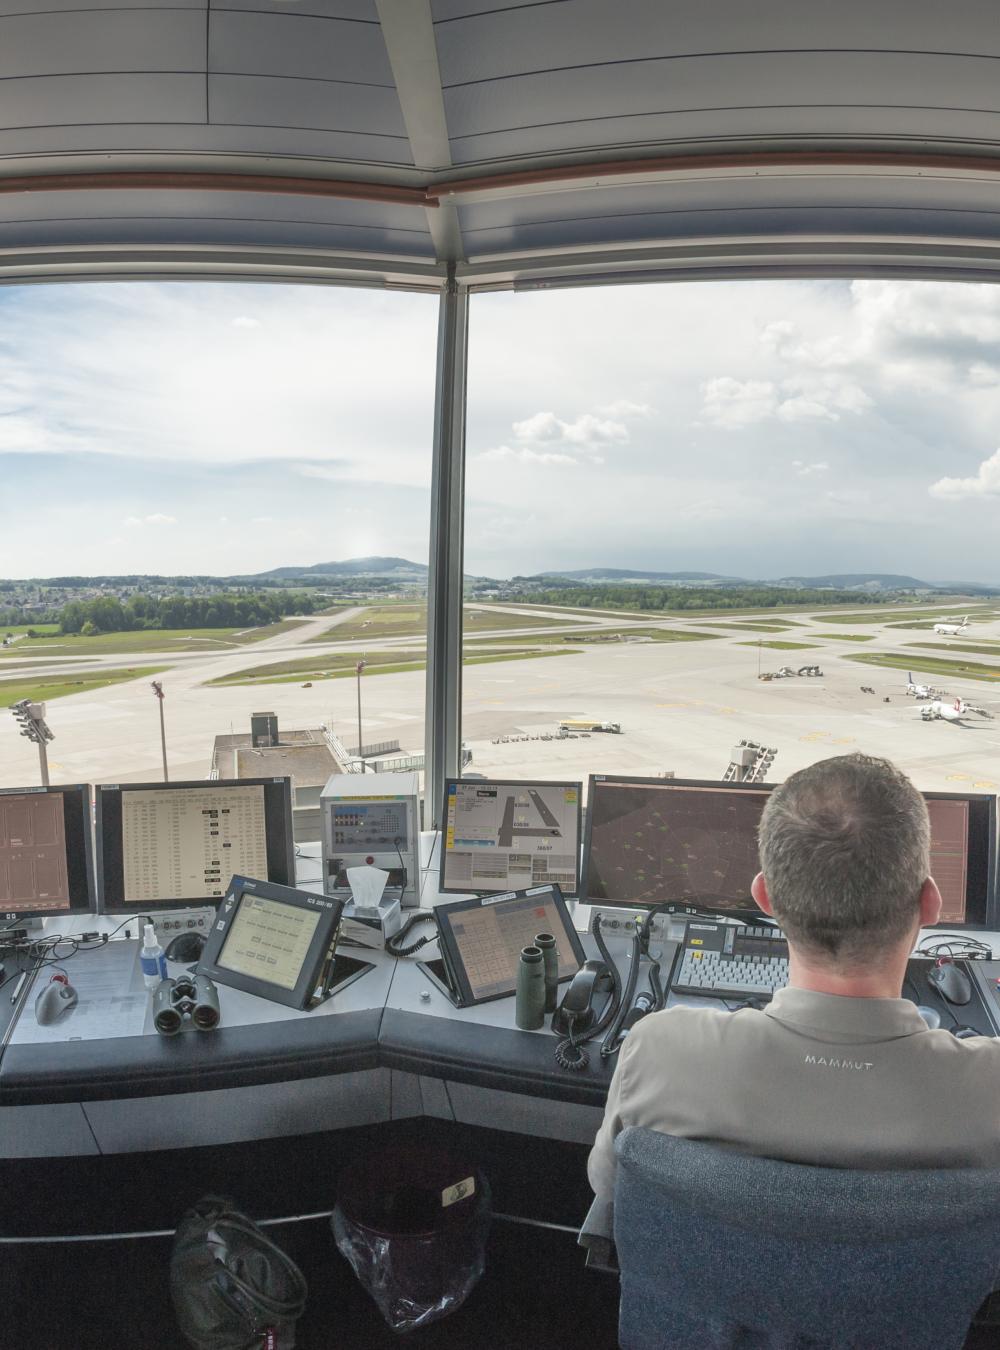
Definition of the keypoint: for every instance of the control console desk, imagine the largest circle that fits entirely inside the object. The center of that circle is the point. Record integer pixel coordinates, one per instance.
(388, 1045)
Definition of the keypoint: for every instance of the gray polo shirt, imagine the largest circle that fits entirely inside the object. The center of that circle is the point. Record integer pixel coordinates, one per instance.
(814, 1078)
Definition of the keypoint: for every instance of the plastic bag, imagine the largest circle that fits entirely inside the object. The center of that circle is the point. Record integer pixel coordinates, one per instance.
(413, 1224)
(232, 1287)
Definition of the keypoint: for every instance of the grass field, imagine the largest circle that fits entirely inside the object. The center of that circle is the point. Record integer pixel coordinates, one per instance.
(597, 638)
(892, 616)
(781, 646)
(380, 663)
(928, 665)
(846, 637)
(749, 627)
(151, 640)
(18, 629)
(982, 648)
(45, 688)
(410, 620)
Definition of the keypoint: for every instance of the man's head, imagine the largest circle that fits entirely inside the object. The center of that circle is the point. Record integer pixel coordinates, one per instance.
(845, 857)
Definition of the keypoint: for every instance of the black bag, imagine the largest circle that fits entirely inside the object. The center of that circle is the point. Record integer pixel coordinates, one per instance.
(232, 1287)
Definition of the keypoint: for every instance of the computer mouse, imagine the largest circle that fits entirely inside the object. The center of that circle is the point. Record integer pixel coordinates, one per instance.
(950, 982)
(54, 1001)
(964, 1033)
(185, 947)
(930, 1015)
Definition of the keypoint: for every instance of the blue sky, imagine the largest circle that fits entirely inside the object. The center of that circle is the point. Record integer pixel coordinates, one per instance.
(763, 428)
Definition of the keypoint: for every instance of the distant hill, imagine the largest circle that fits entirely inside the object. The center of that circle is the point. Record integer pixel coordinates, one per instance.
(353, 567)
(628, 574)
(874, 581)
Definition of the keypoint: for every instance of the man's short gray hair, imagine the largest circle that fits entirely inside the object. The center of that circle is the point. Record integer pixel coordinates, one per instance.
(845, 850)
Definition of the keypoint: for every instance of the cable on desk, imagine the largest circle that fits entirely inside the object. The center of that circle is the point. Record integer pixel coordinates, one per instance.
(393, 944)
(944, 944)
(611, 1040)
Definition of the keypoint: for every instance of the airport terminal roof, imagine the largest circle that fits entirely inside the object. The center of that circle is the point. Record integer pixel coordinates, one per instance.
(527, 144)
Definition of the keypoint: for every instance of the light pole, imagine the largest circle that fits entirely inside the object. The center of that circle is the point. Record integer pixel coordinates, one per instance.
(158, 691)
(31, 717)
(361, 745)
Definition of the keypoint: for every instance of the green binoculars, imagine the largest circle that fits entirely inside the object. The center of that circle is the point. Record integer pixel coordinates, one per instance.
(194, 997)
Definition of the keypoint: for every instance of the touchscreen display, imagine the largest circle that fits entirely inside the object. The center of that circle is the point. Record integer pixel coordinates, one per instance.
(268, 940)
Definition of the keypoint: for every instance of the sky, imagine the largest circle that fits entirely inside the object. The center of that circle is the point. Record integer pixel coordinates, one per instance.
(753, 428)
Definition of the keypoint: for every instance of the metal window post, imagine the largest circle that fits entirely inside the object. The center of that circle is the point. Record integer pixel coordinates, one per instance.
(443, 699)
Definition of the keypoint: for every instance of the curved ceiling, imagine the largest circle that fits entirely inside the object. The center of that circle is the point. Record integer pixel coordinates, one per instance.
(528, 144)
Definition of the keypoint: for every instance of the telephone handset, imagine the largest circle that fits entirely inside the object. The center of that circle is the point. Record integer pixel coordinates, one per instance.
(576, 1013)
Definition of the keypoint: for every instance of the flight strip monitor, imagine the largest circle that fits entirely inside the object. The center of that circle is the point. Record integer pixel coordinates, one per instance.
(46, 864)
(694, 842)
(170, 845)
(505, 836)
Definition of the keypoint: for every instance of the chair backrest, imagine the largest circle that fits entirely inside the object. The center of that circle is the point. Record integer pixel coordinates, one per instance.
(723, 1251)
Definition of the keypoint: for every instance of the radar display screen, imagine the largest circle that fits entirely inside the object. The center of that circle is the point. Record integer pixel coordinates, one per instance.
(502, 836)
(45, 856)
(655, 840)
(659, 840)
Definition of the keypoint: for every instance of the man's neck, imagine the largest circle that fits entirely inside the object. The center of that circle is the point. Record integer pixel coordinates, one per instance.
(884, 982)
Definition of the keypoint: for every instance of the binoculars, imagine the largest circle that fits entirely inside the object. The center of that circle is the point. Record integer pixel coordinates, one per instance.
(187, 996)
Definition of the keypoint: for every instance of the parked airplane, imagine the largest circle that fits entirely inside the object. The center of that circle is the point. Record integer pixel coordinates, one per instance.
(952, 629)
(918, 690)
(945, 712)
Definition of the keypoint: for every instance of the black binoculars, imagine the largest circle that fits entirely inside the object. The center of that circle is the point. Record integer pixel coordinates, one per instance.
(193, 996)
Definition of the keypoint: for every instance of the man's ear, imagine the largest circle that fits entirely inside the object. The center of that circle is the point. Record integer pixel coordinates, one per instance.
(930, 903)
(758, 889)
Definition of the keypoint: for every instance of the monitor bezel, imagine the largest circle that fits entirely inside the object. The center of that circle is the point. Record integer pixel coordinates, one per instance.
(991, 905)
(80, 794)
(451, 954)
(300, 996)
(117, 904)
(513, 782)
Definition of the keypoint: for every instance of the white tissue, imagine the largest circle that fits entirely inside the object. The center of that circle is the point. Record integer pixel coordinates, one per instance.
(367, 885)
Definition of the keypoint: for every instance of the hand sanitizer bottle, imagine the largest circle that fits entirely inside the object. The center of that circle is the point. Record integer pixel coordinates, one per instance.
(152, 959)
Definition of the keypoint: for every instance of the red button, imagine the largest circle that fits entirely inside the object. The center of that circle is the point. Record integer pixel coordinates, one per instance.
(369, 860)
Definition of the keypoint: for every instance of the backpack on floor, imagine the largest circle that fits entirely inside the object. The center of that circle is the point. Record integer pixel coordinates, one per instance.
(232, 1287)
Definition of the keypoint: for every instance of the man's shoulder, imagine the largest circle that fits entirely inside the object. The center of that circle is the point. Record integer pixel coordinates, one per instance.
(682, 1023)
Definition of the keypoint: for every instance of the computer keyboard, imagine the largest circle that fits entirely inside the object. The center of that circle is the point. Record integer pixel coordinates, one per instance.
(726, 961)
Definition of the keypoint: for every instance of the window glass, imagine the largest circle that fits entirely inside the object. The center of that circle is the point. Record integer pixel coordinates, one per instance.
(705, 514)
(225, 489)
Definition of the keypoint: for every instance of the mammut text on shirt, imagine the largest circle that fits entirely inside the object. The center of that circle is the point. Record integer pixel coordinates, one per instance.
(814, 1078)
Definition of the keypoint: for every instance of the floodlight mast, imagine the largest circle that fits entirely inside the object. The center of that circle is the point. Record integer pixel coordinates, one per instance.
(361, 745)
(157, 688)
(31, 719)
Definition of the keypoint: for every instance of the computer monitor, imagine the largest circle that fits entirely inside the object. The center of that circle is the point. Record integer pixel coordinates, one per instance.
(694, 842)
(170, 845)
(46, 862)
(504, 835)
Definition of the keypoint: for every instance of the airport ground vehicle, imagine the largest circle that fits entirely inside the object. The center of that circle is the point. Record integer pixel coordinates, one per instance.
(586, 724)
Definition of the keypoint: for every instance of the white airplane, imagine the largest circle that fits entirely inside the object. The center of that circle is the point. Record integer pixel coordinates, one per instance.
(917, 690)
(945, 712)
(952, 629)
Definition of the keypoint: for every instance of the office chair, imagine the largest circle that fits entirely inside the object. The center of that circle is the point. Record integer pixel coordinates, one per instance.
(722, 1251)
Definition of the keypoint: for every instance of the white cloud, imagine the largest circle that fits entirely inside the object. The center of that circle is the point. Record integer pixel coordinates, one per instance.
(986, 483)
(157, 518)
(622, 407)
(523, 454)
(805, 470)
(244, 321)
(584, 430)
(733, 404)
(545, 439)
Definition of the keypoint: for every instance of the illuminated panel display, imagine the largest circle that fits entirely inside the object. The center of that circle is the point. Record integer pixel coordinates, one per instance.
(268, 941)
(179, 844)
